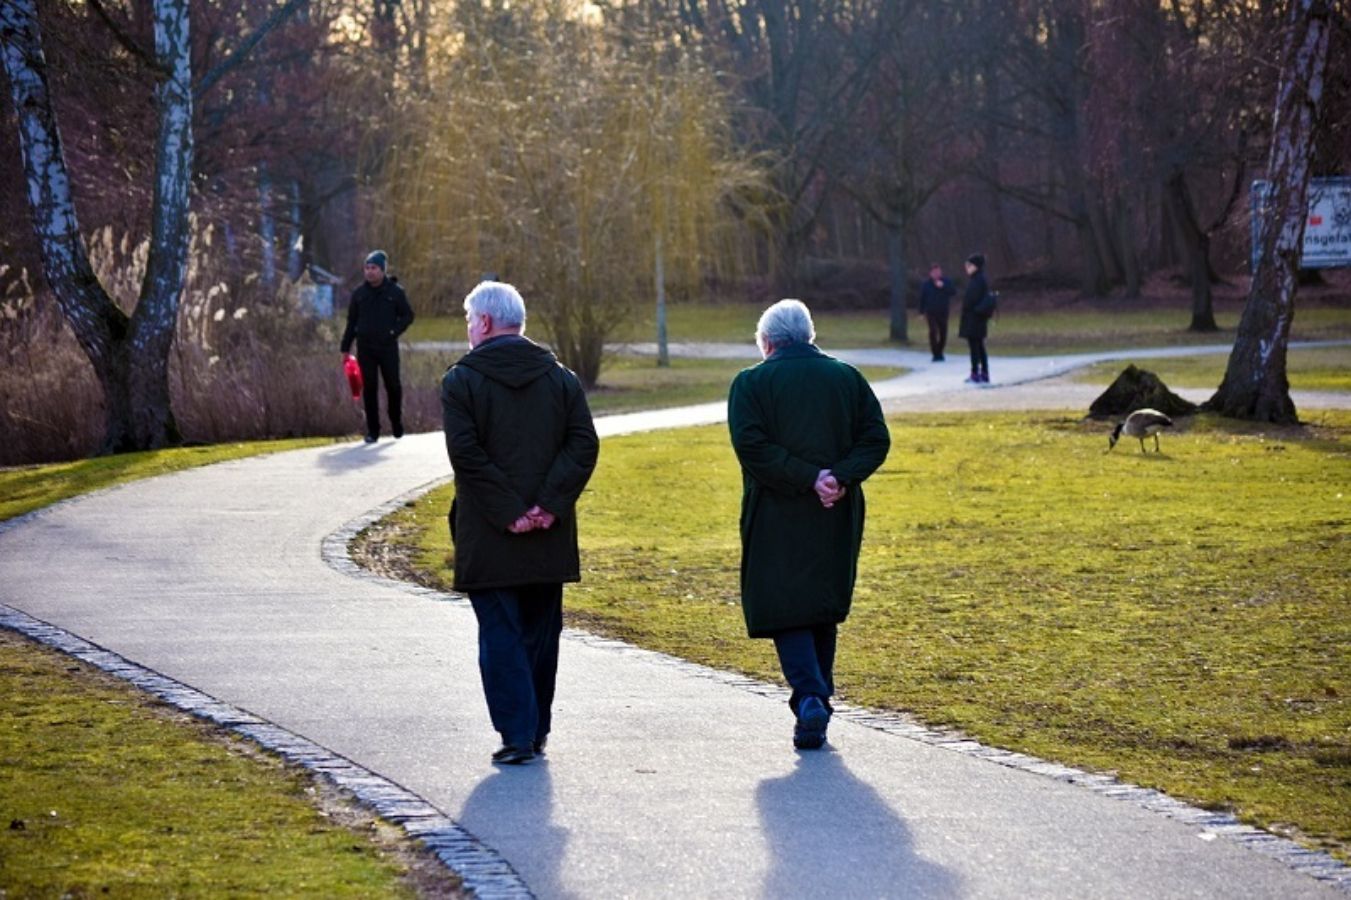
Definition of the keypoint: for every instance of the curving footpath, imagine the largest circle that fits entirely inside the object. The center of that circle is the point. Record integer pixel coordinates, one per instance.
(663, 778)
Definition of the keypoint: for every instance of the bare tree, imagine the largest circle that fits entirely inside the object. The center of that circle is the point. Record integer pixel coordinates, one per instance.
(1255, 385)
(569, 161)
(130, 353)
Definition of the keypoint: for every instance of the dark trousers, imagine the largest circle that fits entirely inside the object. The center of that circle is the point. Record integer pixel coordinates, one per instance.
(938, 333)
(377, 360)
(807, 657)
(518, 631)
(980, 362)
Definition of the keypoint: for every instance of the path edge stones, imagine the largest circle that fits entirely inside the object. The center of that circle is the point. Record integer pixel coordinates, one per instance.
(484, 872)
(1211, 825)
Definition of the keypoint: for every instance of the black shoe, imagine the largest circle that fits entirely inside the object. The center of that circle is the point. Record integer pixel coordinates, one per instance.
(812, 719)
(370, 439)
(539, 746)
(508, 755)
(398, 432)
(808, 738)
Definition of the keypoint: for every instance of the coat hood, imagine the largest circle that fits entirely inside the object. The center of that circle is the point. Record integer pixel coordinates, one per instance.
(510, 359)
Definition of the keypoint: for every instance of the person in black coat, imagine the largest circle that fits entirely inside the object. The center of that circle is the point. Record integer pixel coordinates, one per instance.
(977, 308)
(376, 315)
(935, 297)
(522, 446)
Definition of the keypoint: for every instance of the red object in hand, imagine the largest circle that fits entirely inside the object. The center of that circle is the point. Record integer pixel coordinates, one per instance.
(353, 372)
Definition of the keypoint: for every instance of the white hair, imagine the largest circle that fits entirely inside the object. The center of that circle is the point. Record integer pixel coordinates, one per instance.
(786, 322)
(499, 301)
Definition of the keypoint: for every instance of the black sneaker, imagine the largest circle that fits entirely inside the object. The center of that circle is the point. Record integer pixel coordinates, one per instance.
(808, 738)
(508, 755)
(812, 720)
(398, 432)
(370, 439)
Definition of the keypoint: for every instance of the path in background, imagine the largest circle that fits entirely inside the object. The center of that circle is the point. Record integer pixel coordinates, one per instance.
(663, 779)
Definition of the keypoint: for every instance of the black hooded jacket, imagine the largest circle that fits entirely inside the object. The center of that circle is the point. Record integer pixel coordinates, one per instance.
(519, 433)
(376, 316)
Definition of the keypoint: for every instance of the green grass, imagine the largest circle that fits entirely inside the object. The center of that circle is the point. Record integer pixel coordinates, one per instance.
(105, 792)
(1180, 619)
(1309, 369)
(26, 488)
(631, 382)
(1017, 331)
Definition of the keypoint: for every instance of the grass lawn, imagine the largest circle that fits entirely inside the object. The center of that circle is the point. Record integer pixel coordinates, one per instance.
(1179, 619)
(108, 791)
(1018, 331)
(632, 382)
(1309, 369)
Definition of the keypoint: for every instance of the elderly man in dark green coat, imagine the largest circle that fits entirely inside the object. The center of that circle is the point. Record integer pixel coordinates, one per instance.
(522, 446)
(807, 430)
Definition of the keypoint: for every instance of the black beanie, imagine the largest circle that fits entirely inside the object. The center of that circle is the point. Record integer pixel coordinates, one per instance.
(377, 258)
(977, 260)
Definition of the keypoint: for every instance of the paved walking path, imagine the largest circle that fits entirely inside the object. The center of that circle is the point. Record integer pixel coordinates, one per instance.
(663, 779)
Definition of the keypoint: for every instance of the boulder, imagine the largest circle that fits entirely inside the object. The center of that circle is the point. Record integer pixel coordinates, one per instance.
(1137, 388)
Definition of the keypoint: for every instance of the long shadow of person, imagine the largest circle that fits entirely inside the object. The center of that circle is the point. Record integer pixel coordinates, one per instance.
(831, 835)
(347, 457)
(511, 810)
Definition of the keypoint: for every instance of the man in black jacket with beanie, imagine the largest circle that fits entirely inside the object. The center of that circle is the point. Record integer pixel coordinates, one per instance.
(376, 315)
(522, 446)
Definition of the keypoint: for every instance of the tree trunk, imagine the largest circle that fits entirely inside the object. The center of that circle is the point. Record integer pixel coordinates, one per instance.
(1128, 246)
(896, 264)
(1093, 278)
(1196, 245)
(130, 355)
(1255, 385)
(663, 352)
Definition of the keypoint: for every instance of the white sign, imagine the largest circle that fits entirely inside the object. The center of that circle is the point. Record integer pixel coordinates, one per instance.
(1327, 233)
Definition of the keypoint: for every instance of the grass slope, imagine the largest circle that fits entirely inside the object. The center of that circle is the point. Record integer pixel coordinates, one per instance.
(106, 792)
(1181, 619)
(1019, 330)
(1309, 369)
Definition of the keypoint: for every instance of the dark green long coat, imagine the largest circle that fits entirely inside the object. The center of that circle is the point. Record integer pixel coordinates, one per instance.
(519, 433)
(796, 413)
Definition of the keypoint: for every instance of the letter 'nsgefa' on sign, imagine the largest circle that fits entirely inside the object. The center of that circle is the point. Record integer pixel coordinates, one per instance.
(1327, 231)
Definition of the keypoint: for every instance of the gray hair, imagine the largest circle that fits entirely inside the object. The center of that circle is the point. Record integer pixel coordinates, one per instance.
(786, 322)
(498, 300)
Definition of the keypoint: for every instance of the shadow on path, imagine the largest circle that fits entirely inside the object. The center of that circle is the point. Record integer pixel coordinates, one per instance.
(346, 457)
(831, 835)
(519, 802)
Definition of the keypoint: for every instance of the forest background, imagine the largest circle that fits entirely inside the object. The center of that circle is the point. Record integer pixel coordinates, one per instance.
(602, 155)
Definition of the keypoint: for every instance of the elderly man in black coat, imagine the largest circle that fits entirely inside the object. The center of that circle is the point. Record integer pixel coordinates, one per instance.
(522, 446)
(807, 430)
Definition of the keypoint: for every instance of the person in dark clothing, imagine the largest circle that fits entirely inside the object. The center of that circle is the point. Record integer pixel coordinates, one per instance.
(376, 315)
(807, 430)
(522, 446)
(977, 307)
(935, 297)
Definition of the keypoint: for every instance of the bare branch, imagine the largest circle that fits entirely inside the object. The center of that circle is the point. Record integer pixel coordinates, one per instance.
(232, 61)
(128, 43)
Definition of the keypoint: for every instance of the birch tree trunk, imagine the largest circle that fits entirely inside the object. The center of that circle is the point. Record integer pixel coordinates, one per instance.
(130, 355)
(1255, 385)
(897, 330)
